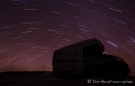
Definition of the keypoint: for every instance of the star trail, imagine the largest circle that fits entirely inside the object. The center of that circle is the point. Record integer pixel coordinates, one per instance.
(30, 30)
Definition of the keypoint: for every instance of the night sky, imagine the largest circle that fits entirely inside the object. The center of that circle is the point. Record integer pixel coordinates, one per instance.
(30, 30)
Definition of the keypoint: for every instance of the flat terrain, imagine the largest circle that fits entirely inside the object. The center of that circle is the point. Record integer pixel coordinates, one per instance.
(47, 79)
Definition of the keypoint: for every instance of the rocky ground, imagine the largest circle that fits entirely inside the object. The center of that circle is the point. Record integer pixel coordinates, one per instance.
(47, 79)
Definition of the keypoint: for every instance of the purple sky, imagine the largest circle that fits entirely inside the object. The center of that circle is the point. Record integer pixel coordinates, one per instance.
(30, 30)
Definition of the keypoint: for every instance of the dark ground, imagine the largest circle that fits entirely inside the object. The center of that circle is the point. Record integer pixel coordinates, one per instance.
(47, 79)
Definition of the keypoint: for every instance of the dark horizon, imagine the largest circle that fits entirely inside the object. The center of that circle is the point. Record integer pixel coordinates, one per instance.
(30, 31)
